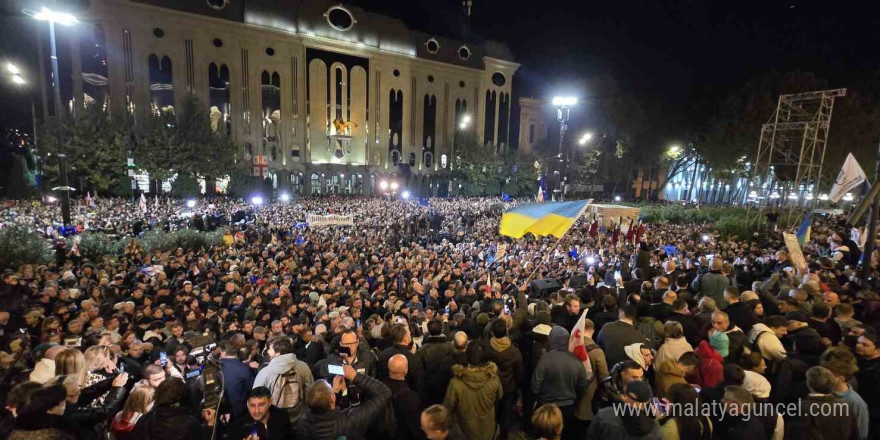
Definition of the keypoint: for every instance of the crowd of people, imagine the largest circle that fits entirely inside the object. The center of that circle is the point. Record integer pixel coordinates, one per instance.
(421, 322)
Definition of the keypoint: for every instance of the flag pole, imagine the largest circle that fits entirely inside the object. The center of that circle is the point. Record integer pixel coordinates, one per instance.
(872, 226)
(558, 240)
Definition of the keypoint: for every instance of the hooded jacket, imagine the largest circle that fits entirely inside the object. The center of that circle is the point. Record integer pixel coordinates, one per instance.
(634, 352)
(560, 377)
(167, 423)
(268, 376)
(711, 365)
(471, 397)
(672, 349)
(509, 361)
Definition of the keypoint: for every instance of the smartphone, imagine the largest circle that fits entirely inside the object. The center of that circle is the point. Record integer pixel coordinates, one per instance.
(447, 310)
(617, 275)
(163, 358)
(506, 309)
(335, 369)
(698, 389)
(73, 342)
(659, 406)
(121, 368)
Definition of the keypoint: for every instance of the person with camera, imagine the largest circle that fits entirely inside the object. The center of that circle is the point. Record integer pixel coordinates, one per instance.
(348, 351)
(324, 420)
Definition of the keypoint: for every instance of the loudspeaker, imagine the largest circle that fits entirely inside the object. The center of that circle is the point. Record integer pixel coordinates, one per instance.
(578, 280)
(543, 288)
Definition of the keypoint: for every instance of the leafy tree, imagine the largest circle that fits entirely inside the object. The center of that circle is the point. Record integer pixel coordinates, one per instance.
(96, 142)
(155, 149)
(185, 185)
(203, 152)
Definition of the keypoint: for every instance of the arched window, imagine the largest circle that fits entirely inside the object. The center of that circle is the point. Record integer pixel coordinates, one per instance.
(219, 100)
(395, 157)
(161, 84)
(429, 160)
(444, 161)
(316, 183)
(271, 102)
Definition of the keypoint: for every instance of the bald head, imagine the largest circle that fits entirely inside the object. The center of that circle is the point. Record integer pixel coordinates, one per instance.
(397, 367)
(460, 340)
(716, 264)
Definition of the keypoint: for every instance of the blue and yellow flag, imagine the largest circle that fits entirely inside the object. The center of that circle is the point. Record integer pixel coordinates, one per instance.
(542, 218)
(803, 232)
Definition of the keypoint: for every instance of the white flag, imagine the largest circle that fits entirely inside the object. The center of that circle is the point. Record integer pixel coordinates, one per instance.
(577, 347)
(851, 176)
(143, 203)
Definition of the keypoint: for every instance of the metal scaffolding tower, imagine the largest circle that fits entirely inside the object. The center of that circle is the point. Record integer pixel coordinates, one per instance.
(788, 165)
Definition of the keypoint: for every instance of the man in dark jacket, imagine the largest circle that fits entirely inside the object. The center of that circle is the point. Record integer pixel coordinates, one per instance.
(510, 371)
(324, 421)
(238, 379)
(263, 418)
(738, 423)
(437, 356)
(688, 322)
(406, 403)
(820, 382)
(402, 342)
(560, 379)
(738, 312)
(169, 419)
(616, 335)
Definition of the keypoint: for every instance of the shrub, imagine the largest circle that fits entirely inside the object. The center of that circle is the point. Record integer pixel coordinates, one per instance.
(94, 245)
(19, 245)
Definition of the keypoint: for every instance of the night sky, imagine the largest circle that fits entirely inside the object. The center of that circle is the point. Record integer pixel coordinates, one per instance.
(681, 55)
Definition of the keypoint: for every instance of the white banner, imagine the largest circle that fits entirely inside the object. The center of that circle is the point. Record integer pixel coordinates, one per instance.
(329, 220)
(850, 176)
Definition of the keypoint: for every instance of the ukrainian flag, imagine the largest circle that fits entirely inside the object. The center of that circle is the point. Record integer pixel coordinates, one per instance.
(548, 218)
(803, 232)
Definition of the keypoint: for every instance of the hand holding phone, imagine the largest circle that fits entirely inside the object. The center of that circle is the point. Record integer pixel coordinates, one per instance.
(335, 369)
(163, 358)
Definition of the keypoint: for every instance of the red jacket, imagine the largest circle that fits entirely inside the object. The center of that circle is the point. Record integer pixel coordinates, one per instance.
(711, 365)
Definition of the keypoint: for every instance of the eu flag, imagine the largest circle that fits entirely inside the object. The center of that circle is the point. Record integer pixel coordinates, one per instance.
(505, 197)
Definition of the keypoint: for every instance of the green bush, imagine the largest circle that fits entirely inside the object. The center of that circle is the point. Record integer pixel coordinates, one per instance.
(94, 245)
(18, 246)
(188, 239)
(741, 226)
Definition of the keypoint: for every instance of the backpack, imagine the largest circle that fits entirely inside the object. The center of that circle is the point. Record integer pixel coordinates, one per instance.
(653, 330)
(288, 394)
(755, 342)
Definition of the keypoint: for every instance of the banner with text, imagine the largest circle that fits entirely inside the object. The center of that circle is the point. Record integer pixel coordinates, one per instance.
(329, 220)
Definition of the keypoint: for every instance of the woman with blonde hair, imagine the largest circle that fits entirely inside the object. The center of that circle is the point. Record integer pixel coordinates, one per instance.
(547, 422)
(139, 402)
(102, 385)
(71, 362)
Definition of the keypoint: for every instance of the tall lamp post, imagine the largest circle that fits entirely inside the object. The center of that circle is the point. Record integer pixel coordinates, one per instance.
(19, 81)
(66, 19)
(563, 104)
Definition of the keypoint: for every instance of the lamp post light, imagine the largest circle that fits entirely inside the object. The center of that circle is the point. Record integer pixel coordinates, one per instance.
(587, 137)
(66, 19)
(463, 124)
(563, 106)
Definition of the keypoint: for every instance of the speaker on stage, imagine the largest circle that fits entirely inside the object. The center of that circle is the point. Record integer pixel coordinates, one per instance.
(578, 280)
(543, 288)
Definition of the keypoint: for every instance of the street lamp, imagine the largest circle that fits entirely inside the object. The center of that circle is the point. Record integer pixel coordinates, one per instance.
(383, 185)
(563, 104)
(66, 19)
(13, 69)
(674, 150)
(17, 80)
(585, 138)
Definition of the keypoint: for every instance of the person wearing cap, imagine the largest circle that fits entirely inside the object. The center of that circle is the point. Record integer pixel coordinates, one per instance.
(636, 421)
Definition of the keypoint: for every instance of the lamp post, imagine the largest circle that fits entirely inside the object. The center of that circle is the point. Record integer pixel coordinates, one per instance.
(563, 104)
(19, 81)
(66, 19)
(461, 126)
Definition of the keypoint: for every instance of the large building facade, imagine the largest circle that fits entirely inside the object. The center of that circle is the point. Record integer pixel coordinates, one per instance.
(321, 97)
